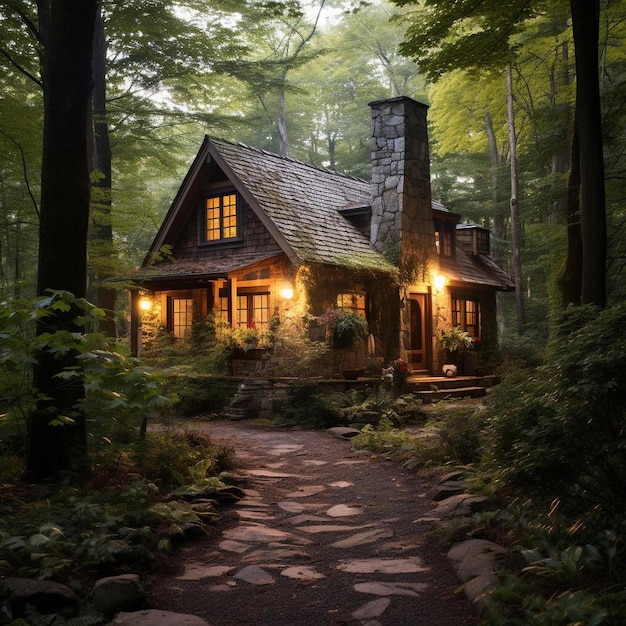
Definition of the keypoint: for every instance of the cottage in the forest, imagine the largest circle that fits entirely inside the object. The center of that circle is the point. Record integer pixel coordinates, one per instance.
(254, 238)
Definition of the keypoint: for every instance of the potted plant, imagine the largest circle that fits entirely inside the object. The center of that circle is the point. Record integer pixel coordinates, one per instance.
(453, 342)
(344, 328)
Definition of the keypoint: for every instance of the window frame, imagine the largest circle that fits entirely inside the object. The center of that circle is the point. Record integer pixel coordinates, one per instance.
(469, 318)
(172, 314)
(203, 229)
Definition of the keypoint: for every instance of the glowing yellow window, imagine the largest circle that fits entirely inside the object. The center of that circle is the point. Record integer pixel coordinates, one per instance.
(221, 217)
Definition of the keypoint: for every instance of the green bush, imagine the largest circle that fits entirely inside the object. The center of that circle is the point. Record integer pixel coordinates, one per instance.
(560, 430)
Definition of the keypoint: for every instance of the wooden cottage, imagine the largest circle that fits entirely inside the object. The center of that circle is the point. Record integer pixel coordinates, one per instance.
(253, 237)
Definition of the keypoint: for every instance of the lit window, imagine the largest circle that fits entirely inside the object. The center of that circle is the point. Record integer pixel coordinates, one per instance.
(444, 237)
(466, 314)
(220, 217)
(253, 311)
(353, 301)
(182, 316)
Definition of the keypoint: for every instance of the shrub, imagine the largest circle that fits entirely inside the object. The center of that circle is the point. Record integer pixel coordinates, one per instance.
(560, 431)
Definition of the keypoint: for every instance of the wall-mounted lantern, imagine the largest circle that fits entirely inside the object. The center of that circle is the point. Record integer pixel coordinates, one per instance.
(439, 282)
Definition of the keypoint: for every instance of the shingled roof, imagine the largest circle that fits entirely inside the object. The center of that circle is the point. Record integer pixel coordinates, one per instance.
(302, 202)
(301, 206)
(298, 203)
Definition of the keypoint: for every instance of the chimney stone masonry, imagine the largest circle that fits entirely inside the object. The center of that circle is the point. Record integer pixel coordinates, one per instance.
(401, 224)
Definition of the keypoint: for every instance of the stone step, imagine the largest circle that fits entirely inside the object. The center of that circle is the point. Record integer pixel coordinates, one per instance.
(442, 394)
(435, 383)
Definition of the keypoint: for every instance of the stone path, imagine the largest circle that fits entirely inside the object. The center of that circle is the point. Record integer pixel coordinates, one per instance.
(325, 536)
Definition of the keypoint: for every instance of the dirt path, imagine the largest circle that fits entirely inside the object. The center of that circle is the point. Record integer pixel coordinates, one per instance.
(324, 536)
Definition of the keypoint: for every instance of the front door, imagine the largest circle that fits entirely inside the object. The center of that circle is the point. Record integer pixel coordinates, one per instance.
(420, 331)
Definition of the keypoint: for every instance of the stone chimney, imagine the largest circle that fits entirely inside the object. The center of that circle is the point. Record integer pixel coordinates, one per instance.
(401, 224)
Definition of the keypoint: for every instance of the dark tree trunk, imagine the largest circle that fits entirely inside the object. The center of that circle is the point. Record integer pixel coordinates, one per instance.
(572, 277)
(65, 196)
(101, 233)
(585, 23)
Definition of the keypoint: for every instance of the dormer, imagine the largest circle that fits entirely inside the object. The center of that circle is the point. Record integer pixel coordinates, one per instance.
(445, 223)
(472, 238)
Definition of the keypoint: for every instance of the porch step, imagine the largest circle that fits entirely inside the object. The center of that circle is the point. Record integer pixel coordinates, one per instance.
(455, 392)
(431, 388)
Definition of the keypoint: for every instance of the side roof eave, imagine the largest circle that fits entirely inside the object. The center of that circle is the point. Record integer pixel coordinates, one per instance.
(209, 149)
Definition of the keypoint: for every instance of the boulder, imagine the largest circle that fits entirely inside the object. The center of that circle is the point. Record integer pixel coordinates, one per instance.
(118, 593)
(46, 596)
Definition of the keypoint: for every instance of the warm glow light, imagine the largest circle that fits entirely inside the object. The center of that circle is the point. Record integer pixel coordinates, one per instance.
(145, 304)
(286, 293)
(440, 282)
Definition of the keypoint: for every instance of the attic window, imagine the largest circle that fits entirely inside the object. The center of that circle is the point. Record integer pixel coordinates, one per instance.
(220, 218)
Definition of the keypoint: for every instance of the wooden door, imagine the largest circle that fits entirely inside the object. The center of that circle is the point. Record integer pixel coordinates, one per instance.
(420, 330)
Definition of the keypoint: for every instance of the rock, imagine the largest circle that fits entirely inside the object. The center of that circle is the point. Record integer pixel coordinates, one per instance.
(343, 432)
(475, 562)
(462, 505)
(446, 489)
(46, 596)
(118, 593)
(157, 618)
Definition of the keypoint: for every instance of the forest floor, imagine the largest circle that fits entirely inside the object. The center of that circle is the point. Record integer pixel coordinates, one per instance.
(325, 536)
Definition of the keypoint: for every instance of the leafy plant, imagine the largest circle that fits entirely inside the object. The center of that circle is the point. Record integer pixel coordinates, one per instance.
(455, 339)
(346, 326)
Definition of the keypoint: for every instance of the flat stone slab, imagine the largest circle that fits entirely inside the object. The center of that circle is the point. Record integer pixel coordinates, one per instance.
(383, 566)
(155, 617)
(234, 546)
(263, 473)
(364, 538)
(255, 534)
(341, 484)
(285, 448)
(343, 510)
(329, 528)
(198, 571)
(292, 507)
(302, 573)
(379, 588)
(306, 491)
(255, 575)
(372, 609)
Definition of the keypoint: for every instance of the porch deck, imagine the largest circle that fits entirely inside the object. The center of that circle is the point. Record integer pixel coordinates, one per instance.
(430, 388)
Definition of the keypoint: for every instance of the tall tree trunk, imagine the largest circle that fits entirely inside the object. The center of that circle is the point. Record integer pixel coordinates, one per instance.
(586, 27)
(63, 228)
(571, 281)
(499, 220)
(516, 228)
(101, 233)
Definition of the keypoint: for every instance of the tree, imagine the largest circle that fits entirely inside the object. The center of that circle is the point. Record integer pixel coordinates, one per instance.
(442, 36)
(586, 28)
(66, 28)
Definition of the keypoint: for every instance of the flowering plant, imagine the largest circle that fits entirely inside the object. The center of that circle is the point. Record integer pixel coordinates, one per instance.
(397, 371)
(347, 326)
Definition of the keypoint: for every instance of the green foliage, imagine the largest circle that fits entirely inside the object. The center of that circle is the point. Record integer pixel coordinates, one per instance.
(119, 391)
(455, 339)
(347, 326)
(384, 438)
(557, 430)
(89, 529)
(308, 407)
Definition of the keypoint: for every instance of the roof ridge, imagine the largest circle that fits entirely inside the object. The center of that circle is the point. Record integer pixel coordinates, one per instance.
(285, 158)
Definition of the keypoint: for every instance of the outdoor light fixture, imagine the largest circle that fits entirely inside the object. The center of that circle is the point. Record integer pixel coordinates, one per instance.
(145, 304)
(440, 282)
(286, 293)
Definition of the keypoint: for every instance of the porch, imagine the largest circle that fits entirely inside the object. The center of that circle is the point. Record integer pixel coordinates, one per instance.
(262, 397)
